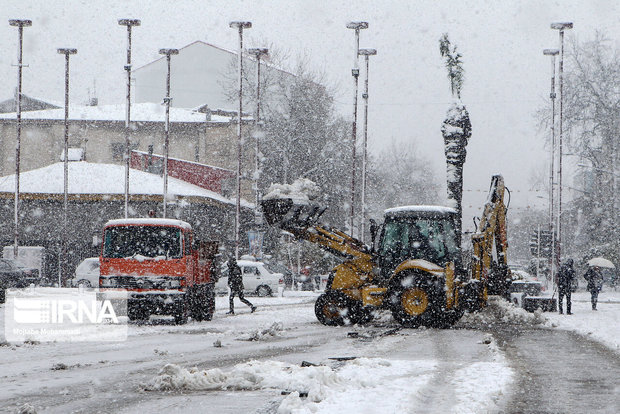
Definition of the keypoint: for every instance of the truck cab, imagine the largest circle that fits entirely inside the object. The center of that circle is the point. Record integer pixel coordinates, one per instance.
(157, 261)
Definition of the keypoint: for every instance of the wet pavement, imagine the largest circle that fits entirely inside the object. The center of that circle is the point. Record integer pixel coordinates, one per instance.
(560, 372)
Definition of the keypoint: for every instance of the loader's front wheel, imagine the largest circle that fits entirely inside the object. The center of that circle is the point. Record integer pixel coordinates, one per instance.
(414, 305)
(335, 308)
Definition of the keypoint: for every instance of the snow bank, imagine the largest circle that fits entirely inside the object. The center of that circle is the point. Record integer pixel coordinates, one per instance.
(500, 310)
(476, 393)
(273, 330)
(601, 326)
(328, 389)
(302, 191)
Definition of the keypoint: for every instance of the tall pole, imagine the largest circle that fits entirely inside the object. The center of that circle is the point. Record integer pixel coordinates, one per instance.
(561, 27)
(167, 99)
(64, 275)
(366, 53)
(129, 23)
(239, 26)
(355, 72)
(553, 53)
(257, 52)
(20, 24)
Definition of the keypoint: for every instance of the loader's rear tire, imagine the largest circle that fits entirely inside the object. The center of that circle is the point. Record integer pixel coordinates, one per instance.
(336, 309)
(415, 303)
(180, 314)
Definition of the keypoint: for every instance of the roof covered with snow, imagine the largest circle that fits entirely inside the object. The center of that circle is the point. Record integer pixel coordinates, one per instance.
(420, 209)
(140, 112)
(93, 178)
(149, 222)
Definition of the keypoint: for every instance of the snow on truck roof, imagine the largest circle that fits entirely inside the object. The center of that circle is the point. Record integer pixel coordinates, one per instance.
(420, 209)
(149, 222)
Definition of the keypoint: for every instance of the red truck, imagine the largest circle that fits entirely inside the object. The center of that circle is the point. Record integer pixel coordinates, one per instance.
(165, 270)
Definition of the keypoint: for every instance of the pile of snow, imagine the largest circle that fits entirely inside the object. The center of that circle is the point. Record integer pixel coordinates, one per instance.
(327, 389)
(501, 310)
(302, 191)
(271, 331)
(474, 392)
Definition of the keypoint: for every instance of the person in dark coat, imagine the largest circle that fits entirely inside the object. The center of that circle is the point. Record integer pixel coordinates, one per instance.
(235, 283)
(594, 277)
(565, 280)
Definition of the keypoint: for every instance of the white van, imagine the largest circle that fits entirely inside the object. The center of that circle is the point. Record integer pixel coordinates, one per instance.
(256, 279)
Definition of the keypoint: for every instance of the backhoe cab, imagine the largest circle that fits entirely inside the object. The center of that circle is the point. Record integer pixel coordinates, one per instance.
(414, 270)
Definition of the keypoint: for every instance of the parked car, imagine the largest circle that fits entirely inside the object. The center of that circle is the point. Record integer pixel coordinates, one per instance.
(87, 273)
(527, 294)
(256, 278)
(280, 268)
(12, 275)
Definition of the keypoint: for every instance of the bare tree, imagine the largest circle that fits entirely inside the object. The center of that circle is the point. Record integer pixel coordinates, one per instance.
(592, 122)
(398, 176)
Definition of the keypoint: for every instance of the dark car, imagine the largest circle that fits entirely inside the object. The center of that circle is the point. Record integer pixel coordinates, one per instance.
(13, 275)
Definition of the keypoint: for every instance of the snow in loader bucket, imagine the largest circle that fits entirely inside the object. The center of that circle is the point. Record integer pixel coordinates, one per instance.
(285, 214)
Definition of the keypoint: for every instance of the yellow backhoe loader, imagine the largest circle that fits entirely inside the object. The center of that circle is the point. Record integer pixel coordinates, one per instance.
(415, 269)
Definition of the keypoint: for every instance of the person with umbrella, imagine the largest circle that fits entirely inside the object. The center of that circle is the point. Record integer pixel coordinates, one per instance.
(594, 277)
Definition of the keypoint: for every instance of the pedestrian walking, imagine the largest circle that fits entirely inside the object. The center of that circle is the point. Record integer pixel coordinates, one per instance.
(566, 275)
(594, 277)
(235, 283)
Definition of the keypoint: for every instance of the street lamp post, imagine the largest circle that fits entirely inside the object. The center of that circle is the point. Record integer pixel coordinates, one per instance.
(239, 26)
(553, 53)
(65, 236)
(167, 99)
(357, 26)
(366, 53)
(560, 27)
(129, 23)
(257, 52)
(20, 24)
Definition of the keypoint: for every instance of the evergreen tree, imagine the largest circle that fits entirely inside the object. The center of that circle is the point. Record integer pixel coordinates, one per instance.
(456, 128)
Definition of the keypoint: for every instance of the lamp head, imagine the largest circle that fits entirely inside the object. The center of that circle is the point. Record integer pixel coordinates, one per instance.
(63, 51)
(357, 25)
(367, 52)
(550, 52)
(242, 25)
(129, 22)
(20, 22)
(258, 51)
(168, 52)
(562, 25)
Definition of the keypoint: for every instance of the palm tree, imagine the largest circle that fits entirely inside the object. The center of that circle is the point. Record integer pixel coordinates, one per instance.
(456, 128)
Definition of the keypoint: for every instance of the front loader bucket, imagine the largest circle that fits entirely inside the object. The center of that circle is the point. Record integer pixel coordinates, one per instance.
(285, 214)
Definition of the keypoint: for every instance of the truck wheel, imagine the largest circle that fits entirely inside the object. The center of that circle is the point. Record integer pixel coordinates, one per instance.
(136, 313)
(263, 290)
(208, 307)
(180, 314)
(414, 304)
(335, 308)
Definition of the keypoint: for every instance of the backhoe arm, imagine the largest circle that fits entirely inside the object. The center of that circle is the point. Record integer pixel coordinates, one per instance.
(490, 261)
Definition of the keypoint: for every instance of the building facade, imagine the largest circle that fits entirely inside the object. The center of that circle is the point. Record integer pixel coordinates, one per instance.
(100, 132)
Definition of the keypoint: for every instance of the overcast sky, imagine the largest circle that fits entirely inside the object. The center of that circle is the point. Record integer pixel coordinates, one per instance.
(507, 77)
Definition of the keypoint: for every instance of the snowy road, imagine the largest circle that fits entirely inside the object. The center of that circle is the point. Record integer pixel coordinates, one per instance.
(373, 369)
